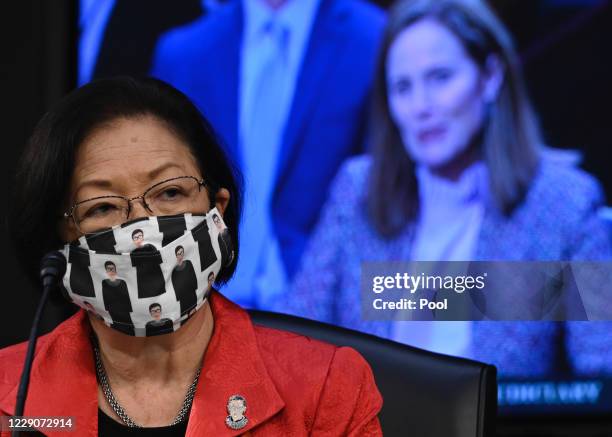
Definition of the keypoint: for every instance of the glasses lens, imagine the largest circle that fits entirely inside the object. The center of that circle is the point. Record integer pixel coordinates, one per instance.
(177, 196)
(97, 214)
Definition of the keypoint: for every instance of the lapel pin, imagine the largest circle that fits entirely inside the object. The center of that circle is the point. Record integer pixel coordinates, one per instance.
(236, 407)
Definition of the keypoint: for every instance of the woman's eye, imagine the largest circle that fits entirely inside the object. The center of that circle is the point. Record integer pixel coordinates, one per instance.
(441, 75)
(170, 194)
(402, 86)
(100, 210)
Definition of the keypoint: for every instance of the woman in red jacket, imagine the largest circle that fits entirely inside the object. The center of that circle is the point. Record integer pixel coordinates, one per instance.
(120, 157)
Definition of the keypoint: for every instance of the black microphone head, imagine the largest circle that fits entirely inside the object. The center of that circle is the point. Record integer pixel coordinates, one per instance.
(52, 267)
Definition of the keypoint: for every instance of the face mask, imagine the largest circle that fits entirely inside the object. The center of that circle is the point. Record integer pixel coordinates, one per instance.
(148, 276)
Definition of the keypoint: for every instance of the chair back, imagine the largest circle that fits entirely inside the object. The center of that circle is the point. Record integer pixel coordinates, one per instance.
(425, 394)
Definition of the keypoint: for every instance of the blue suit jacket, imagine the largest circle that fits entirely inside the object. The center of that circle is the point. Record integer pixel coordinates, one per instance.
(328, 112)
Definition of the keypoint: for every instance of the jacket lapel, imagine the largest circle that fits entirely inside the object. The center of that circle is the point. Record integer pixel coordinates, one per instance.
(63, 381)
(229, 86)
(214, 84)
(232, 366)
(500, 237)
(326, 41)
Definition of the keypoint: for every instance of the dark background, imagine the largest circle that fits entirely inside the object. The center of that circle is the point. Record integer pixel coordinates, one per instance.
(36, 68)
(566, 47)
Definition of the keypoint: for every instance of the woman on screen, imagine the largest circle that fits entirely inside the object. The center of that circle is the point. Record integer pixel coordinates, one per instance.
(457, 172)
(134, 159)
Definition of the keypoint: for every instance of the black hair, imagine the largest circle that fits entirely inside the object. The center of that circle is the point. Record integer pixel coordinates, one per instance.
(177, 248)
(154, 305)
(107, 264)
(137, 231)
(41, 186)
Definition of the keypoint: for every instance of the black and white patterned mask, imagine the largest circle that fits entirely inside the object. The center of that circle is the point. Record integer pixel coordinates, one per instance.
(148, 276)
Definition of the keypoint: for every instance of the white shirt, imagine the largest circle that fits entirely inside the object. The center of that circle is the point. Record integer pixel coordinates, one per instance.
(448, 226)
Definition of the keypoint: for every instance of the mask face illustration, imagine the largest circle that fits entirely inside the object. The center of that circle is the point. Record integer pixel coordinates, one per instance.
(148, 276)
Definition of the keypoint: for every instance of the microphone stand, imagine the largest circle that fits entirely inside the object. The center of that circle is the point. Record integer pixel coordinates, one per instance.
(53, 267)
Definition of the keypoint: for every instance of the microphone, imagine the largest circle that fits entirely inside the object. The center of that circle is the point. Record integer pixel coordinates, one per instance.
(52, 270)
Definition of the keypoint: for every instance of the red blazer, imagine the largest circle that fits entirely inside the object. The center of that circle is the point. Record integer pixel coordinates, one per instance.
(293, 385)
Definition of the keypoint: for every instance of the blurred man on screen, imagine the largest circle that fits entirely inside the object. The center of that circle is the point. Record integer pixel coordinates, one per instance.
(286, 84)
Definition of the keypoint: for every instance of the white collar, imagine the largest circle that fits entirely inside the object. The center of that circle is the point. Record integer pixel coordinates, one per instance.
(472, 185)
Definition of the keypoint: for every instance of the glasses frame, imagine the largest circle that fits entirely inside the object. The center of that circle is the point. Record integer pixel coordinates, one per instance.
(70, 213)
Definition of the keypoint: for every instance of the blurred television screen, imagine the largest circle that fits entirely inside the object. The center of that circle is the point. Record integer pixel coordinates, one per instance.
(563, 47)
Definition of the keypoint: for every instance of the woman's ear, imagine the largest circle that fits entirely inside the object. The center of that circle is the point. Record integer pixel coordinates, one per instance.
(222, 199)
(493, 78)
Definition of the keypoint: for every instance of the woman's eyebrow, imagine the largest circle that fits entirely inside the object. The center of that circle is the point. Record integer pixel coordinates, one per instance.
(106, 183)
(156, 172)
(99, 183)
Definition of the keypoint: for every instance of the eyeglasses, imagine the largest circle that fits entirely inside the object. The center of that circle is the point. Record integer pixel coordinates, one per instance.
(172, 196)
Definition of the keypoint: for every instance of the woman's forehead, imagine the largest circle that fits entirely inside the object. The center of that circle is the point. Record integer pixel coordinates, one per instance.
(425, 42)
(134, 150)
